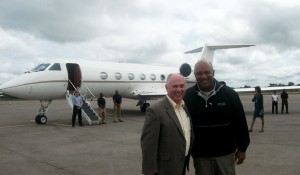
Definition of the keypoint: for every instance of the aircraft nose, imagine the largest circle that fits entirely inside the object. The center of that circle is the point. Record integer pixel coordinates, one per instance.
(4, 89)
(11, 88)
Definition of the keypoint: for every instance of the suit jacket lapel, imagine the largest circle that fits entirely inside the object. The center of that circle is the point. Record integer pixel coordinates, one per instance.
(172, 114)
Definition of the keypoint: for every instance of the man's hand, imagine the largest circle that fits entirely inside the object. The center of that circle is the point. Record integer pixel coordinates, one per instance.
(239, 157)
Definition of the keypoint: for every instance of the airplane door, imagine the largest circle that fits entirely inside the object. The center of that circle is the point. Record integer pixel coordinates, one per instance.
(74, 75)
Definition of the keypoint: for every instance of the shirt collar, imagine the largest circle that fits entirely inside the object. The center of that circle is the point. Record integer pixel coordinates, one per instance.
(215, 83)
(175, 105)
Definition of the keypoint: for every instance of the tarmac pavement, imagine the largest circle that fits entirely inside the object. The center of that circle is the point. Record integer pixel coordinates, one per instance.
(114, 148)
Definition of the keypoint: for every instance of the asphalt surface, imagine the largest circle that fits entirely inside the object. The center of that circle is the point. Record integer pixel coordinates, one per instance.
(114, 148)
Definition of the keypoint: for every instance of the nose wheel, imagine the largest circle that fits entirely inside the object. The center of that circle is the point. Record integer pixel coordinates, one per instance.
(41, 117)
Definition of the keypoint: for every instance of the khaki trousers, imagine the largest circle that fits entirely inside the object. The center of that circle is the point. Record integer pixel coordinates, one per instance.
(117, 115)
(102, 114)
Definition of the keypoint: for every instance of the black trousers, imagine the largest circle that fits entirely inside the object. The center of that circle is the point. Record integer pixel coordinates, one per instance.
(274, 105)
(75, 112)
(285, 103)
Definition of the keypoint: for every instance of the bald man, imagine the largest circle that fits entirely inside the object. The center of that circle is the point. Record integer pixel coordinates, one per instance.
(166, 135)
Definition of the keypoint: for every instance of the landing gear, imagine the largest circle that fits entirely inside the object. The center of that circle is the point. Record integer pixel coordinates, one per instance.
(41, 117)
(144, 106)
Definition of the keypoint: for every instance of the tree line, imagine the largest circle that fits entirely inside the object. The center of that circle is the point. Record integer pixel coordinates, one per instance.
(276, 85)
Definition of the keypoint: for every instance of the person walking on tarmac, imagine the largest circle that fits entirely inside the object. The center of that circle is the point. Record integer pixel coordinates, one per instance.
(258, 100)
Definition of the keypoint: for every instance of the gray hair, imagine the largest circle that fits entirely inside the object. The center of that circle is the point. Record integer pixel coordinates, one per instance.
(170, 75)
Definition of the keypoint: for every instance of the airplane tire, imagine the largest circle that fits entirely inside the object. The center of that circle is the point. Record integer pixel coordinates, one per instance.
(37, 119)
(43, 119)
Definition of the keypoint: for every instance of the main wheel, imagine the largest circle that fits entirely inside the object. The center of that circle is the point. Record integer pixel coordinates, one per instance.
(37, 119)
(41, 119)
(144, 107)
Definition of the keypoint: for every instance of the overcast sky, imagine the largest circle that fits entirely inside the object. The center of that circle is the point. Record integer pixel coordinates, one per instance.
(155, 32)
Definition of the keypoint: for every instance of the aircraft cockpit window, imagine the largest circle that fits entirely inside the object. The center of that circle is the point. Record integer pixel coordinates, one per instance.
(55, 66)
(118, 75)
(142, 76)
(41, 67)
(103, 75)
(130, 76)
(153, 77)
(162, 77)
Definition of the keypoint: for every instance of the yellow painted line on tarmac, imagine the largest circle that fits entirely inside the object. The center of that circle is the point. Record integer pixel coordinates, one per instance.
(15, 126)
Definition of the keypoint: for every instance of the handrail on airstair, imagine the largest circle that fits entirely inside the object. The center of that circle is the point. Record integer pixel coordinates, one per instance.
(88, 89)
(72, 85)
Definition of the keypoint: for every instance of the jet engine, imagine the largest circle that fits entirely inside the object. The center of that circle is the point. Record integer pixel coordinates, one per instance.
(185, 69)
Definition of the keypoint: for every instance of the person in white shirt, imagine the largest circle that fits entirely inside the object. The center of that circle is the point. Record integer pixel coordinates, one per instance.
(274, 102)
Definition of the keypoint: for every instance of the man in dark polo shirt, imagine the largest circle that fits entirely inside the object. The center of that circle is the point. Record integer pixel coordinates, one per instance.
(117, 98)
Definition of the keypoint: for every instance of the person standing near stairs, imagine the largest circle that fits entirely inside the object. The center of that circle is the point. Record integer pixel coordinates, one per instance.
(117, 98)
(77, 103)
(102, 111)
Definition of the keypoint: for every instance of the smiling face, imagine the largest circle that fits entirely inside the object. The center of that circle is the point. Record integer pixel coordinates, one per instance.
(176, 87)
(204, 75)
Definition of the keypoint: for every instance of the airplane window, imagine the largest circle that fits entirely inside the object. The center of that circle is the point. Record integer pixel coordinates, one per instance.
(118, 75)
(162, 77)
(55, 66)
(152, 76)
(41, 67)
(130, 76)
(103, 75)
(142, 76)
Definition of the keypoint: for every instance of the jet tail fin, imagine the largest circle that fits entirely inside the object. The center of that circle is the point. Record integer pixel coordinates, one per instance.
(208, 50)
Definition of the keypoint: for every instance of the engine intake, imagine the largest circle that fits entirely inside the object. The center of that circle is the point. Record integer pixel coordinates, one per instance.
(185, 69)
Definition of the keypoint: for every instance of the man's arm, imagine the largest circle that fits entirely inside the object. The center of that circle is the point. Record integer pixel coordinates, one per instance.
(149, 142)
(241, 127)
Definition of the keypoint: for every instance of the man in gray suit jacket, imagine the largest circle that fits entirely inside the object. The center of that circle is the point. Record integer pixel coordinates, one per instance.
(166, 135)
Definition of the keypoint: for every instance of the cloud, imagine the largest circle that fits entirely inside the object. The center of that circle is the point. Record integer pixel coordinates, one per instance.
(154, 32)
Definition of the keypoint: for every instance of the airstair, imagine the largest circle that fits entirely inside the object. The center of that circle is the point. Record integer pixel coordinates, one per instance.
(87, 111)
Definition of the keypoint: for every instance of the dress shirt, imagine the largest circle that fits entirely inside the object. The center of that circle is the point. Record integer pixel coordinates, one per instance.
(184, 122)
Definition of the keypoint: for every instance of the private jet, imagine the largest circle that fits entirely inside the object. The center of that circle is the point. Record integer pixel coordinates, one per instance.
(58, 80)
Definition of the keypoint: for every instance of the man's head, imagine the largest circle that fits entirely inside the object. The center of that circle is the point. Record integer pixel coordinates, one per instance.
(204, 74)
(176, 87)
(76, 92)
